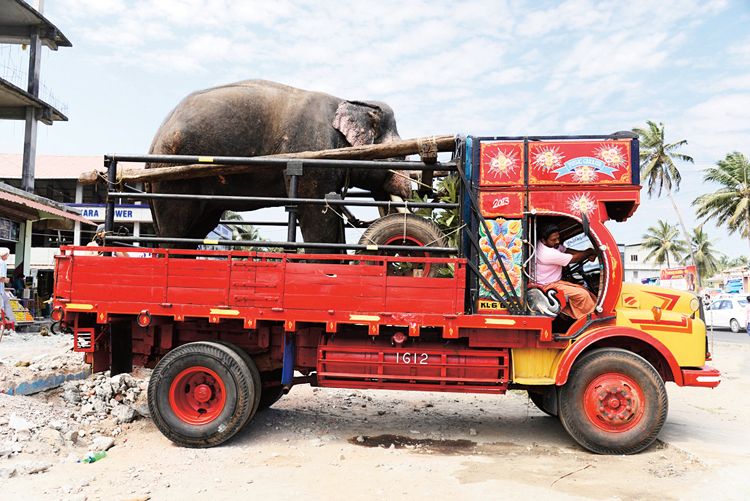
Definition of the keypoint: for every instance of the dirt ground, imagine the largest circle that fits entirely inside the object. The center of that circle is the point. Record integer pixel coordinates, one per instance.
(346, 444)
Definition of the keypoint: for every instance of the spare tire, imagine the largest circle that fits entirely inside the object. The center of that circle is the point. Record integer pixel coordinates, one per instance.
(406, 229)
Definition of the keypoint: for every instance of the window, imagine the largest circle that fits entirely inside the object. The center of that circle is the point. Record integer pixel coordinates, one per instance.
(634, 258)
(635, 274)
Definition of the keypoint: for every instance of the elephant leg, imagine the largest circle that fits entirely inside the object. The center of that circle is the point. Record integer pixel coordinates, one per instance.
(184, 220)
(320, 227)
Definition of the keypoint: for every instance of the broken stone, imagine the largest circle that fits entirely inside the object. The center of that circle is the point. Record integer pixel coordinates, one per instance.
(123, 414)
(101, 443)
(7, 472)
(57, 424)
(23, 436)
(32, 468)
(20, 424)
(51, 437)
(71, 436)
(104, 391)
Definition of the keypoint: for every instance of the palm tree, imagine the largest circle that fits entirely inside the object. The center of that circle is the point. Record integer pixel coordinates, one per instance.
(706, 257)
(663, 242)
(659, 170)
(730, 204)
(241, 231)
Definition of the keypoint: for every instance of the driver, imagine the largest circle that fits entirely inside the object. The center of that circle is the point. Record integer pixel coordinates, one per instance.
(551, 256)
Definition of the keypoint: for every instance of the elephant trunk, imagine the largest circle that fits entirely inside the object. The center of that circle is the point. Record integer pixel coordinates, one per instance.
(398, 183)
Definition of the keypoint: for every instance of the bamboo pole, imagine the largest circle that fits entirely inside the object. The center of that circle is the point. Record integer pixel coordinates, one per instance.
(426, 147)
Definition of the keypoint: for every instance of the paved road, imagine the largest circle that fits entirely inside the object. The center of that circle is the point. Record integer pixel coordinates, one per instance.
(728, 336)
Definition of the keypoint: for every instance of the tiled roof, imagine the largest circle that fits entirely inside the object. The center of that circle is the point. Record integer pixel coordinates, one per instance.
(50, 166)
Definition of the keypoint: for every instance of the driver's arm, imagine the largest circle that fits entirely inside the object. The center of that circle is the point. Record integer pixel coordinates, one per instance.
(580, 255)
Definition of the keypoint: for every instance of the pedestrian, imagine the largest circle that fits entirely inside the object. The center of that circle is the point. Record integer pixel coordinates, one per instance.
(747, 315)
(4, 299)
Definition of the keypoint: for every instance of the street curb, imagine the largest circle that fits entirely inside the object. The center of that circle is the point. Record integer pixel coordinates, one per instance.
(43, 383)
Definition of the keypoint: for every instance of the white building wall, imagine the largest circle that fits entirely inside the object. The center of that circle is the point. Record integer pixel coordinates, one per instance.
(635, 265)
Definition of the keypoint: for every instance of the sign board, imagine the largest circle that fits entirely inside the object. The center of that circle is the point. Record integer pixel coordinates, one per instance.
(123, 213)
(681, 278)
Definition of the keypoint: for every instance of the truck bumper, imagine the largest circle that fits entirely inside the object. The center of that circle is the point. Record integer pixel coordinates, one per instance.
(706, 377)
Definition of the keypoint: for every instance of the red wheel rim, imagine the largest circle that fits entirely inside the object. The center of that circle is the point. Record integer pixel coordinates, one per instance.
(407, 240)
(614, 402)
(197, 395)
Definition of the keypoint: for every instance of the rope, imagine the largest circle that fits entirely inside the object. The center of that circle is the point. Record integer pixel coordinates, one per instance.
(428, 149)
(397, 173)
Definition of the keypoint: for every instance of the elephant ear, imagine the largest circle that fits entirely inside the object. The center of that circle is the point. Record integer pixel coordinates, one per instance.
(359, 122)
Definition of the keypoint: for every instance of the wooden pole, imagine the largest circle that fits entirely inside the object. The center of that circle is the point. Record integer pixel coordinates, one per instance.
(368, 152)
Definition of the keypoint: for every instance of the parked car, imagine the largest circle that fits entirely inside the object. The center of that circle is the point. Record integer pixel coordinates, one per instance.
(727, 311)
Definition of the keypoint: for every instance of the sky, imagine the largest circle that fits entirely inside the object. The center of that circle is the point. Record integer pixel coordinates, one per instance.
(477, 67)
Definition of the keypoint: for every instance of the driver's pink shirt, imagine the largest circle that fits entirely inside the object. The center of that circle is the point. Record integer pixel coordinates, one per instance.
(549, 263)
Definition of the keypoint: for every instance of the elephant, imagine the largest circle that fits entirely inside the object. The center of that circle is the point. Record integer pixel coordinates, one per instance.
(259, 117)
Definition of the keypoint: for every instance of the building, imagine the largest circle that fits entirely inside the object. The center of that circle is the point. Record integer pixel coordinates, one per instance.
(57, 179)
(23, 212)
(636, 269)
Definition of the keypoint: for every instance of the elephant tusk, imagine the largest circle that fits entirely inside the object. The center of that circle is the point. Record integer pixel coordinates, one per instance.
(396, 198)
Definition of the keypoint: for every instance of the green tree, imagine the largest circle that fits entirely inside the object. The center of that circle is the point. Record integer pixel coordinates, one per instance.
(242, 231)
(658, 167)
(706, 256)
(729, 205)
(663, 242)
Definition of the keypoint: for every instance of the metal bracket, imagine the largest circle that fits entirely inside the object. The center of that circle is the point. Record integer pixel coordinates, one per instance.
(294, 168)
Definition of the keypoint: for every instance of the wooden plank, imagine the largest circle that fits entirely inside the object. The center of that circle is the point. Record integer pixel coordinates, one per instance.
(366, 152)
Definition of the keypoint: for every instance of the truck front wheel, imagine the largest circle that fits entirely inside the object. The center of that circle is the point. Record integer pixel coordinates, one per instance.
(201, 394)
(614, 402)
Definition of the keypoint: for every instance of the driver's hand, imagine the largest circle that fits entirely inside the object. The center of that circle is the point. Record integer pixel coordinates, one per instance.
(592, 255)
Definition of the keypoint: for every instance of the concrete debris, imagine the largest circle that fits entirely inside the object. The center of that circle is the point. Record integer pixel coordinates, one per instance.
(101, 443)
(19, 424)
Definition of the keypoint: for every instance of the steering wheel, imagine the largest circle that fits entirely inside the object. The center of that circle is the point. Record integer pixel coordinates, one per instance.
(577, 268)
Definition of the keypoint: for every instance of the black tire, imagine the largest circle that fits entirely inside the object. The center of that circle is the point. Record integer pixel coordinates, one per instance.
(412, 230)
(254, 374)
(228, 416)
(627, 412)
(734, 325)
(538, 399)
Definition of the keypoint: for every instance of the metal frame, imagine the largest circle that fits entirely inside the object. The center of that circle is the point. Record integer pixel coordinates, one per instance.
(293, 168)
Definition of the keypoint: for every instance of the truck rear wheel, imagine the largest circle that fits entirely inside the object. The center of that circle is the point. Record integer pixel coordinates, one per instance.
(254, 374)
(406, 229)
(201, 394)
(614, 402)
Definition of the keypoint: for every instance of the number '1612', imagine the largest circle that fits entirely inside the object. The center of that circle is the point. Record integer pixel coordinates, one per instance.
(411, 358)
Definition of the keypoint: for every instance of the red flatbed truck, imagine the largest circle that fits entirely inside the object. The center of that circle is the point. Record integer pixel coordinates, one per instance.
(226, 330)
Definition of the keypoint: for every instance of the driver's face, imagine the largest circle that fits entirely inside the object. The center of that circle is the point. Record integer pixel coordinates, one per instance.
(553, 240)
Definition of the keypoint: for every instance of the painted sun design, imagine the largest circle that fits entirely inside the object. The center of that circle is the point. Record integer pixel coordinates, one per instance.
(582, 204)
(504, 163)
(584, 174)
(548, 158)
(611, 155)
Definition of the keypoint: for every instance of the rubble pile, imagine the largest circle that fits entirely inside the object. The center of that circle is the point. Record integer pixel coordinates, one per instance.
(82, 415)
(121, 397)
